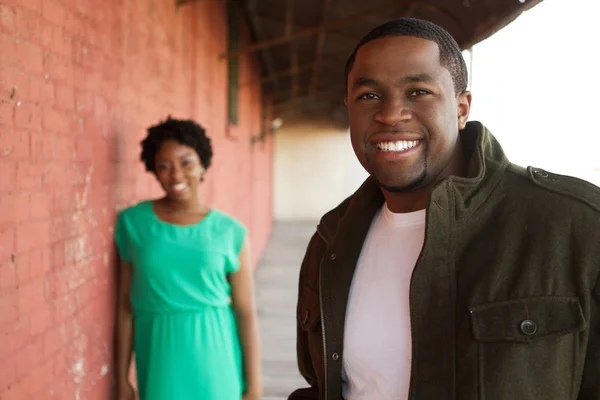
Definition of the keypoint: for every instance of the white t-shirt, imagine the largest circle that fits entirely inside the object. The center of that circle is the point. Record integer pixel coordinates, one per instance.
(377, 336)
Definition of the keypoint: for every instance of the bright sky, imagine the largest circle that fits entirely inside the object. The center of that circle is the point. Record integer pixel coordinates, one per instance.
(536, 86)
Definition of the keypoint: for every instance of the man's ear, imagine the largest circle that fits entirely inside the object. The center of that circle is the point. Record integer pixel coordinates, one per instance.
(346, 101)
(463, 108)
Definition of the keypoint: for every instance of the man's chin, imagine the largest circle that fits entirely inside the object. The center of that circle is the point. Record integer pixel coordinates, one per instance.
(406, 186)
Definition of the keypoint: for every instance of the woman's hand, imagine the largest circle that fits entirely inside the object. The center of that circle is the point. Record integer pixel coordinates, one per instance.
(252, 394)
(125, 392)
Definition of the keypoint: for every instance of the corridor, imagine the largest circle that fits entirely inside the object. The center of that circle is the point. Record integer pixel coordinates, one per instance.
(276, 287)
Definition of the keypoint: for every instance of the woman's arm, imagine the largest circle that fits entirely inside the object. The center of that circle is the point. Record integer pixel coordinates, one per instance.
(242, 293)
(124, 333)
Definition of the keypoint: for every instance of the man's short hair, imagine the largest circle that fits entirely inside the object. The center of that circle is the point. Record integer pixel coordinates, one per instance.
(450, 54)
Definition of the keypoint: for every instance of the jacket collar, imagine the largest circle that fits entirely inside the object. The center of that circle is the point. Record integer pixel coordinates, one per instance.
(486, 162)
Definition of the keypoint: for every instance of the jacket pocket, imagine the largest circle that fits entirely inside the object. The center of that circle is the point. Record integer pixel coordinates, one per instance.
(528, 348)
(309, 315)
(526, 320)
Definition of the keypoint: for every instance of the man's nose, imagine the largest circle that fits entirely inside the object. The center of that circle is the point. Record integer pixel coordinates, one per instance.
(393, 112)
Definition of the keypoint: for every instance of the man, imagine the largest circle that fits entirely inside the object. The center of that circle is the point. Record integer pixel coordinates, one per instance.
(451, 273)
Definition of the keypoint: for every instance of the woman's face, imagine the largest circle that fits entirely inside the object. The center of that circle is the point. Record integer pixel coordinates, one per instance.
(178, 169)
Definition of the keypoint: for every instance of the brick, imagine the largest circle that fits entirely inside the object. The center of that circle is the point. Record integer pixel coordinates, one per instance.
(7, 244)
(41, 320)
(8, 307)
(55, 121)
(57, 67)
(33, 5)
(8, 18)
(58, 232)
(84, 102)
(8, 375)
(33, 234)
(54, 11)
(29, 176)
(28, 116)
(47, 30)
(22, 268)
(9, 48)
(32, 265)
(85, 149)
(15, 336)
(33, 92)
(59, 367)
(40, 204)
(59, 389)
(20, 390)
(8, 279)
(47, 93)
(7, 112)
(65, 98)
(55, 339)
(74, 24)
(15, 144)
(63, 43)
(28, 25)
(43, 376)
(29, 56)
(31, 295)
(58, 175)
(8, 174)
(46, 147)
(29, 357)
(9, 82)
(57, 255)
(66, 306)
(14, 208)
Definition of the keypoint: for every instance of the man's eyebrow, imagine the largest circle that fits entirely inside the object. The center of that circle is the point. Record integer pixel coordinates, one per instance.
(363, 81)
(427, 78)
(416, 78)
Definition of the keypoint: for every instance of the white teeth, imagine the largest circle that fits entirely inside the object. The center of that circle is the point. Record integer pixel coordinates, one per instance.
(400, 145)
(179, 186)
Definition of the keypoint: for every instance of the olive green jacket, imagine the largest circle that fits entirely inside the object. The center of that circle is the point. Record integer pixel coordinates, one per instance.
(504, 299)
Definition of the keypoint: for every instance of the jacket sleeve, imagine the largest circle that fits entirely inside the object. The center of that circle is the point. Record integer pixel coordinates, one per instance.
(308, 269)
(590, 383)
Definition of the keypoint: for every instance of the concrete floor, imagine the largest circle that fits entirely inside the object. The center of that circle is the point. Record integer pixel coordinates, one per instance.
(276, 291)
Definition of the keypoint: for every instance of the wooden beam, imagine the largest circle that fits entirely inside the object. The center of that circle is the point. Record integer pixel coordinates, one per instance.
(407, 9)
(338, 23)
(317, 96)
(289, 17)
(289, 30)
(277, 75)
(294, 63)
(319, 48)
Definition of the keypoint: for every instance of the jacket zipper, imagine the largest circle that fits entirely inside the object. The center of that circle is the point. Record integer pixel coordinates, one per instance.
(323, 315)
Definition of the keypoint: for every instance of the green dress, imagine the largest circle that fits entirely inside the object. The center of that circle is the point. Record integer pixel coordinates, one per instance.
(186, 343)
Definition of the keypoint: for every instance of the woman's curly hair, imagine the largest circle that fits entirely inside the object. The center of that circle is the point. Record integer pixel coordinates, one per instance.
(186, 132)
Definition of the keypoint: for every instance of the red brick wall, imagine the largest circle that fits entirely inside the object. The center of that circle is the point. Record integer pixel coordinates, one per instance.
(80, 80)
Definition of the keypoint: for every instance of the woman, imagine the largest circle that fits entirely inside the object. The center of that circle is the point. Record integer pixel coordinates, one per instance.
(186, 300)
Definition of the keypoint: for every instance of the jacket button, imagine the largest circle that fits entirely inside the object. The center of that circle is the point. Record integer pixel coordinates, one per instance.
(335, 356)
(332, 256)
(541, 173)
(528, 328)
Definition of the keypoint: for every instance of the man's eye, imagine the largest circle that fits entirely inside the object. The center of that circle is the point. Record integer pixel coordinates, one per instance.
(162, 167)
(368, 96)
(419, 92)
